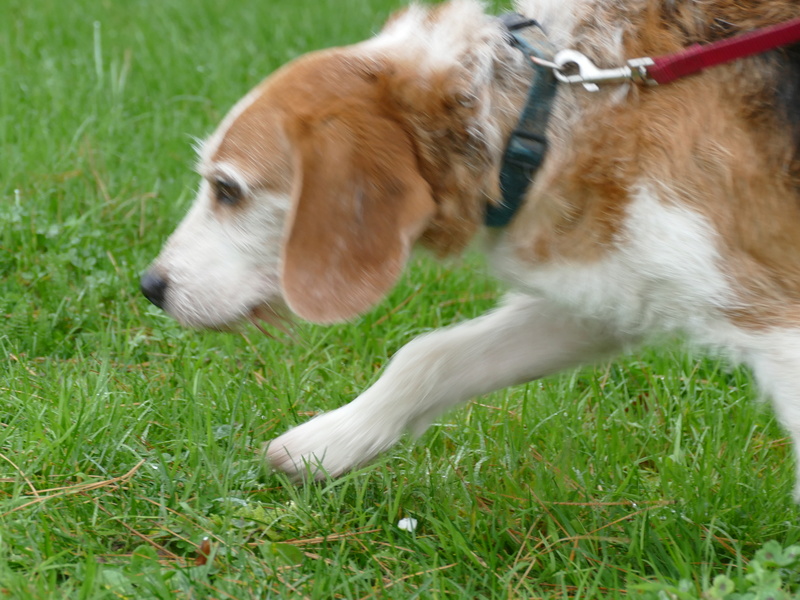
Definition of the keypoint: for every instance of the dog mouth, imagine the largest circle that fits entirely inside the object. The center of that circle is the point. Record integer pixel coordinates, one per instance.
(264, 317)
(273, 314)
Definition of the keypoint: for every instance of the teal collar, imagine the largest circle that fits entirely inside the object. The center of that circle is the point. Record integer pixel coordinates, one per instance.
(527, 145)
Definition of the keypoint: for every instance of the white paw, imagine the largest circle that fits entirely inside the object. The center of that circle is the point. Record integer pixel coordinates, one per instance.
(330, 444)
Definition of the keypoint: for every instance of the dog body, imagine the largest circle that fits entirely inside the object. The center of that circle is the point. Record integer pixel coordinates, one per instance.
(657, 210)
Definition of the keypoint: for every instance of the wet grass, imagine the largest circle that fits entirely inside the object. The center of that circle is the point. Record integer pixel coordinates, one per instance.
(125, 440)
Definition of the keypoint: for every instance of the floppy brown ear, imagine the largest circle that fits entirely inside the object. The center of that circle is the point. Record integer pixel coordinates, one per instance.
(360, 205)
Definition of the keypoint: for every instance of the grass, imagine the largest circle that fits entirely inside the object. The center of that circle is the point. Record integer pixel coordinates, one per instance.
(125, 440)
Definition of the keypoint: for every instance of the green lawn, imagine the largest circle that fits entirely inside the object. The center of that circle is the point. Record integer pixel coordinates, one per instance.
(125, 440)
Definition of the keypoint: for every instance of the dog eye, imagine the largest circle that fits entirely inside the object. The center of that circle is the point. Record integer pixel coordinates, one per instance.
(227, 192)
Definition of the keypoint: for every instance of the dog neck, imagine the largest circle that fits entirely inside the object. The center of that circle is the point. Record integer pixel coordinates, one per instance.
(459, 88)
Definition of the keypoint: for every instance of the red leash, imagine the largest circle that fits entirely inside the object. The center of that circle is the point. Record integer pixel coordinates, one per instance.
(667, 68)
(670, 67)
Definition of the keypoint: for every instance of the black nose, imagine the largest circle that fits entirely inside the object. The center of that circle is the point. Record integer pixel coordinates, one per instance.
(154, 287)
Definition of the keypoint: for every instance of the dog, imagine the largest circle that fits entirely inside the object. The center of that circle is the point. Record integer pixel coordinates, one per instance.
(670, 209)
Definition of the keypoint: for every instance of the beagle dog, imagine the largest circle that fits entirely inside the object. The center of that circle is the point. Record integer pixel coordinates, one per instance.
(655, 210)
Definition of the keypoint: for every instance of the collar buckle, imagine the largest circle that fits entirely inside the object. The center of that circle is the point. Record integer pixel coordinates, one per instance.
(590, 75)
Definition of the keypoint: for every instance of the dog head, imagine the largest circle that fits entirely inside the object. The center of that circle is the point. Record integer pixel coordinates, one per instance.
(311, 198)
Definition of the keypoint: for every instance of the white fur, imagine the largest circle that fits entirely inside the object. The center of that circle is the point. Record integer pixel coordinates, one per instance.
(219, 269)
(432, 46)
(552, 15)
(774, 357)
(663, 275)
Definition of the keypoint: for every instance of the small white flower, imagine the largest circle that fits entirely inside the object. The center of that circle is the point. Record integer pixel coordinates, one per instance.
(407, 524)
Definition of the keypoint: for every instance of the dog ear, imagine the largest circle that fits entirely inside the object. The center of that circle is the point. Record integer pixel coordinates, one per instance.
(360, 204)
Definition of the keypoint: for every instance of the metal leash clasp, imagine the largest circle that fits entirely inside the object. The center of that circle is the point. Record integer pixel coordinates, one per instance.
(590, 75)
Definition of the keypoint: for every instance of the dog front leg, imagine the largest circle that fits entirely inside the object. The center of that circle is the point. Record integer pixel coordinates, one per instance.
(525, 338)
(774, 357)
